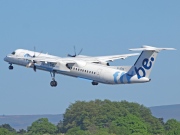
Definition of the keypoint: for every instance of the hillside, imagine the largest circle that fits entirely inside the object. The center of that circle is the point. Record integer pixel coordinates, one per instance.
(166, 112)
(23, 121)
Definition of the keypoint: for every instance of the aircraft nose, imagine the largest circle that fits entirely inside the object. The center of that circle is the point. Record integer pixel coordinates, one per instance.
(6, 59)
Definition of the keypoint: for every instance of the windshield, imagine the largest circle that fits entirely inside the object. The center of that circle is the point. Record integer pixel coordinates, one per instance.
(13, 53)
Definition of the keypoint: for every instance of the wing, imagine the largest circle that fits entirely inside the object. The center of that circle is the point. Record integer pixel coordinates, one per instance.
(40, 59)
(102, 58)
(114, 57)
(81, 58)
(61, 65)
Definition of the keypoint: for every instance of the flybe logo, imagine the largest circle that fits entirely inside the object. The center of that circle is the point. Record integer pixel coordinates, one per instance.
(146, 65)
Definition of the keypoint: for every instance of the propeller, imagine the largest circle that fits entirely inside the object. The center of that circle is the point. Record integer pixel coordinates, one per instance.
(75, 54)
(32, 63)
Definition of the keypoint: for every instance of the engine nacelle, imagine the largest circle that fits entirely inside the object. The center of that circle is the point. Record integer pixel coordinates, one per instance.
(103, 63)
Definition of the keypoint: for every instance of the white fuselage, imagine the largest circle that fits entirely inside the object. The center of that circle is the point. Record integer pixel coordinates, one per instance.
(91, 71)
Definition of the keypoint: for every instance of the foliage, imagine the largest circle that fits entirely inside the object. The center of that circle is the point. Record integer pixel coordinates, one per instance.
(131, 124)
(4, 131)
(42, 126)
(8, 127)
(101, 118)
(21, 132)
(118, 117)
(172, 127)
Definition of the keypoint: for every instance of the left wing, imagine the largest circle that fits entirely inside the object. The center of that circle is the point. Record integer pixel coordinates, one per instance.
(113, 57)
(81, 58)
(101, 59)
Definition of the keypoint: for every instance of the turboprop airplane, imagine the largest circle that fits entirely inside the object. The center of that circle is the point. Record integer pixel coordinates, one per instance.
(96, 69)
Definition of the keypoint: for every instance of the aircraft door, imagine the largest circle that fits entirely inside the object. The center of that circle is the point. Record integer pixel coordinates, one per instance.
(99, 73)
(20, 61)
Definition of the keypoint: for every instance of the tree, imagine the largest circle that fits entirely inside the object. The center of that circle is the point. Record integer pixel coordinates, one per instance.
(77, 131)
(131, 124)
(172, 127)
(8, 127)
(42, 126)
(4, 131)
(21, 132)
(118, 117)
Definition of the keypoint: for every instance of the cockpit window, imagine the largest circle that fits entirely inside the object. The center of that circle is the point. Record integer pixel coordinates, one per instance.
(13, 53)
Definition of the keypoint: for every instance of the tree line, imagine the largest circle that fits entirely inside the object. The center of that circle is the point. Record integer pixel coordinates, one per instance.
(101, 118)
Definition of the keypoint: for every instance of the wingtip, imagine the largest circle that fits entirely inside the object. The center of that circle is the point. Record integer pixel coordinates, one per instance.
(169, 48)
(145, 47)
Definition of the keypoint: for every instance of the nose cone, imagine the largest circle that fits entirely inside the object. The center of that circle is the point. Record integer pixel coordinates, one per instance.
(6, 59)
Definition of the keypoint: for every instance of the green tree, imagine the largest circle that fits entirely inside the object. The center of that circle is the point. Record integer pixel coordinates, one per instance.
(42, 126)
(8, 127)
(119, 118)
(131, 124)
(172, 127)
(21, 132)
(154, 125)
(4, 131)
(77, 131)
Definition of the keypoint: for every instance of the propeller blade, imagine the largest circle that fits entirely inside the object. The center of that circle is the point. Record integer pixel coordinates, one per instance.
(34, 68)
(40, 53)
(80, 51)
(34, 51)
(69, 55)
(75, 50)
(29, 65)
(75, 54)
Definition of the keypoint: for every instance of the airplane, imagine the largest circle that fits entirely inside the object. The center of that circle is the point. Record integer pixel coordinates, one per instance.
(96, 69)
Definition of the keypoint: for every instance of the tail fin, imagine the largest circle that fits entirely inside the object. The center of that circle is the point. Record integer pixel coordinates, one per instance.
(145, 62)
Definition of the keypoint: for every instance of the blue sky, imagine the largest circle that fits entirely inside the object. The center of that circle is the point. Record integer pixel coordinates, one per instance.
(99, 27)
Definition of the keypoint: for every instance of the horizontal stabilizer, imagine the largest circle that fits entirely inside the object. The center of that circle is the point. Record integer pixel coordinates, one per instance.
(151, 48)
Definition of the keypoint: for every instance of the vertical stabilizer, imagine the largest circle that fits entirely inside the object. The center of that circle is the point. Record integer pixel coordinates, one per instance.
(144, 64)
